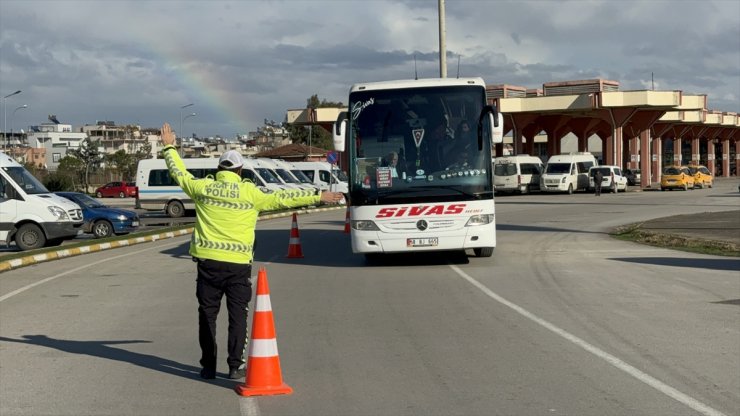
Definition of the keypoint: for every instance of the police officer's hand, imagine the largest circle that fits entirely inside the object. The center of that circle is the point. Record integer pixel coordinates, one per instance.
(332, 197)
(167, 137)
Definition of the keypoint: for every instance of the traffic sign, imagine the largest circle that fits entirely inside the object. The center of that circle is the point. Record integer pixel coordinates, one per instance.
(332, 157)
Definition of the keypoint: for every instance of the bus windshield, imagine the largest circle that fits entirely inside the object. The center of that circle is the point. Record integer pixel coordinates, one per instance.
(418, 144)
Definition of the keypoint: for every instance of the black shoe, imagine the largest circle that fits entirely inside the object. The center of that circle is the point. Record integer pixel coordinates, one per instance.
(235, 373)
(208, 373)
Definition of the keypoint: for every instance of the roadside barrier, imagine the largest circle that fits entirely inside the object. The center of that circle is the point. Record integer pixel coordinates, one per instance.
(294, 244)
(264, 377)
(30, 259)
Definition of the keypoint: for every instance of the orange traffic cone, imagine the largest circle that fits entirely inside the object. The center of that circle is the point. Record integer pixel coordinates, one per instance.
(294, 244)
(263, 366)
(346, 222)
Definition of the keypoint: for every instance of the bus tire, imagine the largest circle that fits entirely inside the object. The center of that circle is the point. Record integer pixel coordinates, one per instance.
(175, 209)
(483, 251)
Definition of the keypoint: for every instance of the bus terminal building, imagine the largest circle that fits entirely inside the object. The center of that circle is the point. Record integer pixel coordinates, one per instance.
(641, 129)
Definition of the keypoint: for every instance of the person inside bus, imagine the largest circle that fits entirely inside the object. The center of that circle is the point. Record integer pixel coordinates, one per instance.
(464, 132)
(435, 147)
(391, 161)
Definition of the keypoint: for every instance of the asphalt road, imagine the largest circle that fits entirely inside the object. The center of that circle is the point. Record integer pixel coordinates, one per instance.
(561, 320)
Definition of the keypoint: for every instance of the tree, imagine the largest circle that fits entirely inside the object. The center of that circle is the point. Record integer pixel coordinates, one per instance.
(71, 168)
(314, 102)
(318, 136)
(90, 157)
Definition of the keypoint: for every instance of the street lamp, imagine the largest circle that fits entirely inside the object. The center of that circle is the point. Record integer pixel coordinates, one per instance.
(13, 114)
(182, 145)
(5, 117)
(185, 118)
(181, 120)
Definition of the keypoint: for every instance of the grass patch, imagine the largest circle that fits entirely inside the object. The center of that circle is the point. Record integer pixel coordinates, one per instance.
(634, 233)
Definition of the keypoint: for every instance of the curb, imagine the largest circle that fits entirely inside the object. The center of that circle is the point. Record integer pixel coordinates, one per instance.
(94, 248)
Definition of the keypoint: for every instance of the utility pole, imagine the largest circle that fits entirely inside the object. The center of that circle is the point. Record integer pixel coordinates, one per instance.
(442, 45)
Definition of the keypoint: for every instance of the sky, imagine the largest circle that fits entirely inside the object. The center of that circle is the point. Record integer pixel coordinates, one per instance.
(241, 62)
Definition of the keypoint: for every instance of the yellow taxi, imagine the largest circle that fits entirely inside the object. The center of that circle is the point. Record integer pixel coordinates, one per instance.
(702, 176)
(677, 177)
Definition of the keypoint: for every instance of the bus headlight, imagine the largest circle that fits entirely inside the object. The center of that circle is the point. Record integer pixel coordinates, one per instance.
(482, 219)
(57, 212)
(364, 225)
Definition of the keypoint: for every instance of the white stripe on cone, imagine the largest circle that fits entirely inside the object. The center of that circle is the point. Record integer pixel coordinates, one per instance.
(262, 303)
(263, 348)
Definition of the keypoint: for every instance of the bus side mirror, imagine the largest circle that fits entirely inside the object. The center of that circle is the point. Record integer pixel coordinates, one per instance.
(497, 128)
(495, 125)
(339, 131)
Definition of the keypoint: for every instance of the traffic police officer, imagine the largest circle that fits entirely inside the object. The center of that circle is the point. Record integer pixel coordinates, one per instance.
(222, 244)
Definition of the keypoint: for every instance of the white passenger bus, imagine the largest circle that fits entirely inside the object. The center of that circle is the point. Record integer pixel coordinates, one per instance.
(416, 182)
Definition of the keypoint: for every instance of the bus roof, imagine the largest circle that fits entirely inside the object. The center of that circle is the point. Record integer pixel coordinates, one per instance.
(417, 83)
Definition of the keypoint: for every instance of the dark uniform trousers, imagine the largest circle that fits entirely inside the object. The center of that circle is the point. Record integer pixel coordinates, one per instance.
(216, 278)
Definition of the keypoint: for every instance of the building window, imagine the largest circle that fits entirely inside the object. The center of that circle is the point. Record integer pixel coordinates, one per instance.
(56, 157)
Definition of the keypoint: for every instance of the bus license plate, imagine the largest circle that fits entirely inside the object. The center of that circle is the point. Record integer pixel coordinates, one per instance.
(422, 242)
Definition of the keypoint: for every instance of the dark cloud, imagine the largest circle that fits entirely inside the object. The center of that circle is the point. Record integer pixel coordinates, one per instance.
(242, 62)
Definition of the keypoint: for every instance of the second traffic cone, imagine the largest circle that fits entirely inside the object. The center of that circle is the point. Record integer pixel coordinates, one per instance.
(294, 244)
(264, 377)
(346, 222)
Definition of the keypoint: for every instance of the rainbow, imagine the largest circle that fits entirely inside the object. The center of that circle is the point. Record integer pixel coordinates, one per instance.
(200, 85)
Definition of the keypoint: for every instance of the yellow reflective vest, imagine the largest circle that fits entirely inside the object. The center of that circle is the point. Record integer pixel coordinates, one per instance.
(227, 210)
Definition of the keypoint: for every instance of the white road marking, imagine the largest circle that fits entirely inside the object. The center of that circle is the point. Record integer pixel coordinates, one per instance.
(49, 279)
(248, 406)
(616, 362)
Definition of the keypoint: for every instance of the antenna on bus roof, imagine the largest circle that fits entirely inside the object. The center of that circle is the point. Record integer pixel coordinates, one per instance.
(458, 66)
(416, 74)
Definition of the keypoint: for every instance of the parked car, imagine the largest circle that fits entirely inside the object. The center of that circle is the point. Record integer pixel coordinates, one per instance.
(612, 178)
(677, 177)
(702, 176)
(100, 220)
(116, 189)
(633, 176)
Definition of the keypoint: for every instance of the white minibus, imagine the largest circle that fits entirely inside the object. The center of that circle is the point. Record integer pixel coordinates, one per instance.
(567, 172)
(158, 191)
(30, 215)
(325, 176)
(519, 173)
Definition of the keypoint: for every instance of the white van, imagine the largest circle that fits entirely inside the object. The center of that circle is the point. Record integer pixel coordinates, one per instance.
(288, 180)
(613, 180)
(297, 173)
(325, 175)
(158, 191)
(520, 173)
(567, 172)
(30, 215)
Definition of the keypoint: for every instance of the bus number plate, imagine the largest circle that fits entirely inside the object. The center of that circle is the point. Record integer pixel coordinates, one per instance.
(422, 242)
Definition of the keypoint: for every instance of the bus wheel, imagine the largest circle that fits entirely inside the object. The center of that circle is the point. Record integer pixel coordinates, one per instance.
(483, 251)
(175, 209)
(29, 237)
